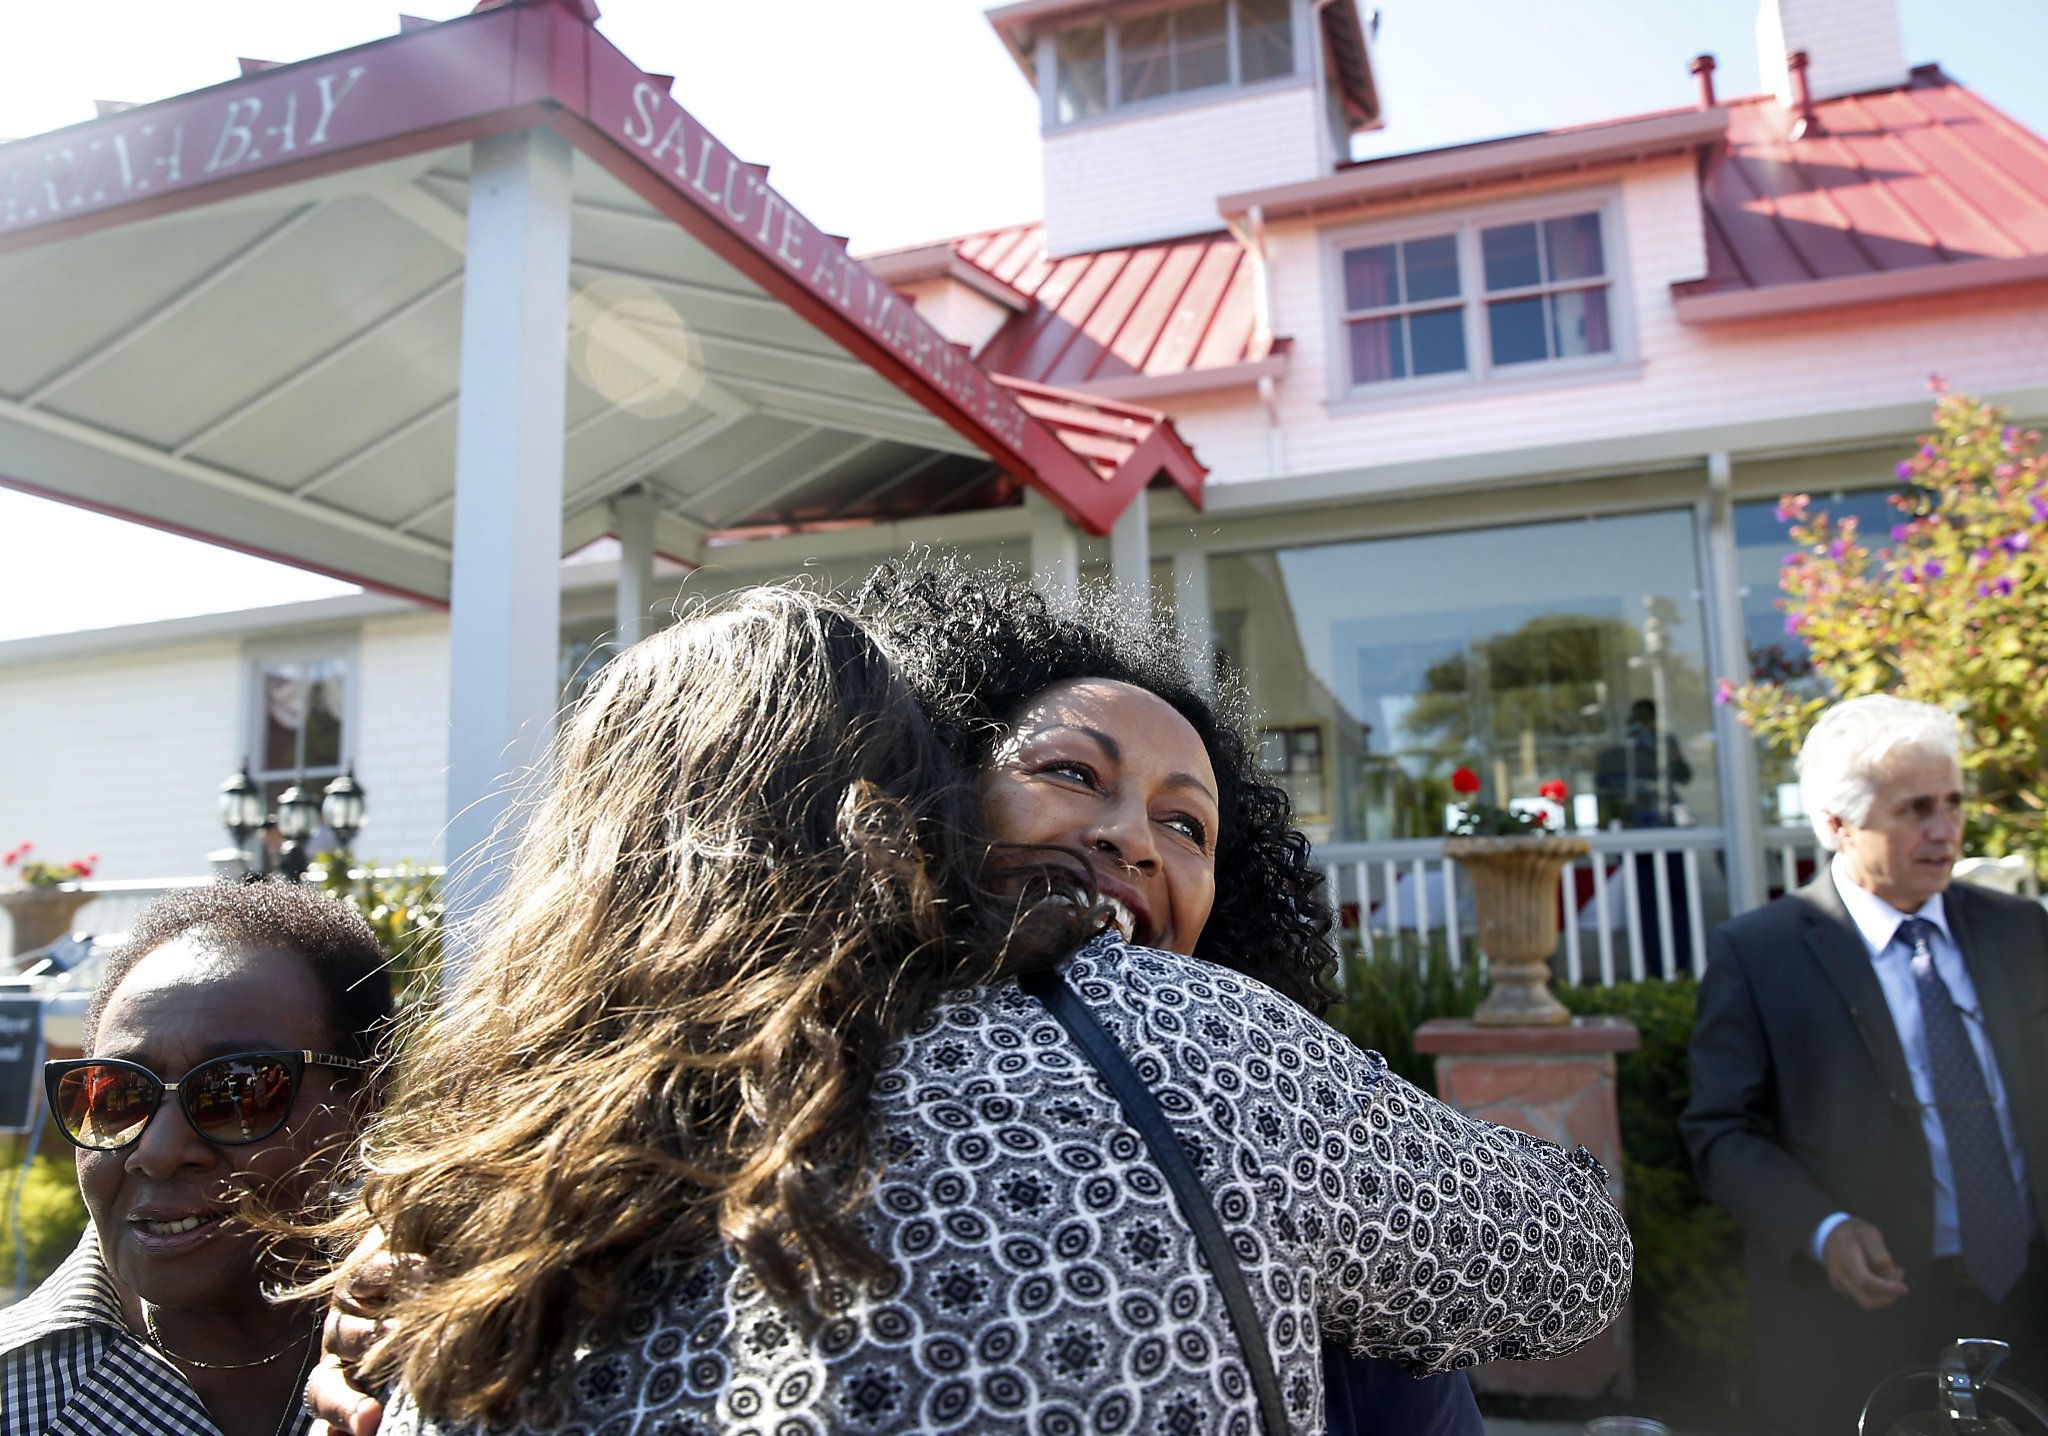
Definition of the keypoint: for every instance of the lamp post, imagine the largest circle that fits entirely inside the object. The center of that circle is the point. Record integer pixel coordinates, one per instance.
(342, 806)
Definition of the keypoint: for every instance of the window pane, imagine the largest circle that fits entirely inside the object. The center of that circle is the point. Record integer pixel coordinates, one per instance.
(1510, 256)
(1579, 322)
(1265, 39)
(1201, 47)
(1142, 69)
(1376, 351)
(1370, 280)
(1762, 540)
(1431, 267)
(1535, 664)
(286, 694)
(1083, 68)
(1572, 245)
(1438, 339)
(1515, 330)
(323, 722)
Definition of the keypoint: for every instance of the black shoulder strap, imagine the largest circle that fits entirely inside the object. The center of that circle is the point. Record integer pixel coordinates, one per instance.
(1143, 1110)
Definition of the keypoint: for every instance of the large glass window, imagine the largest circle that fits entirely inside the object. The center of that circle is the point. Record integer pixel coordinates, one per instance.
(1539, 287)
(1571, 650)
(1776, 654)
(1155, 54)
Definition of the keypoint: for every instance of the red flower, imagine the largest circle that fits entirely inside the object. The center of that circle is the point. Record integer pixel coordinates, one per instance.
(1556, 791)
(1465, 781)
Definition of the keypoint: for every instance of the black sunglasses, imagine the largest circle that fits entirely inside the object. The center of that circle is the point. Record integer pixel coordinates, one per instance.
(103, 1103)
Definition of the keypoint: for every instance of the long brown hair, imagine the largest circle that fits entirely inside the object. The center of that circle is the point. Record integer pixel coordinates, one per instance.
(752, 871)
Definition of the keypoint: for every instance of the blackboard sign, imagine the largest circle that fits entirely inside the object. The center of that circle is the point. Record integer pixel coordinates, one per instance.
(21, 1051)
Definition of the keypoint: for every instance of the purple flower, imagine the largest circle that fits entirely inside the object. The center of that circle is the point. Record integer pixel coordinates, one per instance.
(1792, 624)
(2009, 435)
(2014, 543)
(1901, 532)
(1909, 574)
(2000, 587)
(1928, 451)
(2040, 507)
(1932, 570)
(1905, 471)
(1724, 692)
(1837, 548)
(1978, 557)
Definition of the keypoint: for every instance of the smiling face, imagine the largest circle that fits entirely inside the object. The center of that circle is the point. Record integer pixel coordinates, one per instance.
(1114, 772)
(1906, 846)
(189, 1000)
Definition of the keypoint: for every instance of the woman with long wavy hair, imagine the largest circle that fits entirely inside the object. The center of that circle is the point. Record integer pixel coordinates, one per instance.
(741, 1119)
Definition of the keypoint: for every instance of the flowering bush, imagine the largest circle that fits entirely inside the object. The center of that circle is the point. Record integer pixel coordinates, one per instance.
(35, 873)
(1950, 611)
(1489, 820)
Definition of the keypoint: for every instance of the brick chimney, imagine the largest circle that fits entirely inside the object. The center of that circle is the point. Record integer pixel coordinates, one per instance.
(1851, 46)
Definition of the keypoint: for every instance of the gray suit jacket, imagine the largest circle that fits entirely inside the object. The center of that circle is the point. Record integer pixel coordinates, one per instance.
(1802, 1105)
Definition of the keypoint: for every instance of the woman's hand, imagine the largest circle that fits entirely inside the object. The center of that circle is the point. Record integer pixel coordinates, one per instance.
(352, 1327)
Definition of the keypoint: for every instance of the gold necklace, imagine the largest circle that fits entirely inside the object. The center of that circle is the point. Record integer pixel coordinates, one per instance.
(156, 1340)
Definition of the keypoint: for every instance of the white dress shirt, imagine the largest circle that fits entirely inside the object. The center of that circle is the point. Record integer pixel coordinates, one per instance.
(1877, 922)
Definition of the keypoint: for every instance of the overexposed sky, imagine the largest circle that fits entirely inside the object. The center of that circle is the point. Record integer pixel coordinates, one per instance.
(891, 121)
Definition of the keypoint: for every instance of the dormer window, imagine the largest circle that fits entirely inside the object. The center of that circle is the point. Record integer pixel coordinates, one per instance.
(1152, 56)
(1495, 294)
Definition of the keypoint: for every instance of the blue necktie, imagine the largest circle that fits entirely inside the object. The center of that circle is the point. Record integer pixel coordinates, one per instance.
(1992, 1224)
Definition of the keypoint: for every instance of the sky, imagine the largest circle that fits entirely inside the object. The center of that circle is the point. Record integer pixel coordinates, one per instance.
(890, 121)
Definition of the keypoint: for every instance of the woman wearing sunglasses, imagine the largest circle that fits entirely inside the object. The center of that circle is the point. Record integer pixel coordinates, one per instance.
(228, 1046)
(752, 1113)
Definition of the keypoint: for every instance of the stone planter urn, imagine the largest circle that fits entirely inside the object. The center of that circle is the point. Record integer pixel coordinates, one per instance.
(42, 915)
(1514, 880)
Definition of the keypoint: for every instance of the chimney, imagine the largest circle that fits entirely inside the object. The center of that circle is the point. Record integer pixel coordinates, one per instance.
(1703, 66)
(1852, 46)
(1805, 122)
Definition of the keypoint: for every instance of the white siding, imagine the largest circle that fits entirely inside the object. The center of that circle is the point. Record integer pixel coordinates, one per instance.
(1148, 176)
(401, 747)
(1689, 376)
(957, 312)
(1851, 45)
(121, 755)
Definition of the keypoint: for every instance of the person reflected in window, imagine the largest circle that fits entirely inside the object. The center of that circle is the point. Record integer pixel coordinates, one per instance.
(1637, 781)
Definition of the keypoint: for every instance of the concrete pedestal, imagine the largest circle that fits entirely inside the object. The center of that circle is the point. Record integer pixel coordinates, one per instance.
(1556, 1083)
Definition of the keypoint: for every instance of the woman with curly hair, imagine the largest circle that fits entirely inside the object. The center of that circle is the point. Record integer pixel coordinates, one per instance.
(1027, 695)
(759, 1110)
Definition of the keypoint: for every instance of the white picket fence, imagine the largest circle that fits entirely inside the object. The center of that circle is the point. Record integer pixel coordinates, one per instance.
(1639, 905)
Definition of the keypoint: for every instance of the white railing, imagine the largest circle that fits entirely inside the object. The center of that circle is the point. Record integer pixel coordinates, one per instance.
(1639, 906)
(115, 903)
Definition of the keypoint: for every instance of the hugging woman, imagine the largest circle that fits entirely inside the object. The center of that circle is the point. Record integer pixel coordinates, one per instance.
(742, 1120)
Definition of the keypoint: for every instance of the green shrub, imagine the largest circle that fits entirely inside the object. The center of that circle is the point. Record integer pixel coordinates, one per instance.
(402, 904)
(52, 1213)
(1404, 982)
(1689, 1288)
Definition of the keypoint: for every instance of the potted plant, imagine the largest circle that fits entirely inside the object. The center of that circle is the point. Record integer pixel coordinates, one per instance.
(1513, 858)
(46, 895)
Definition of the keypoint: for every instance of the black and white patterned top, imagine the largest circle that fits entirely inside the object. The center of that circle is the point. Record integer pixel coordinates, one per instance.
(69, 1366)
(1047, 1281)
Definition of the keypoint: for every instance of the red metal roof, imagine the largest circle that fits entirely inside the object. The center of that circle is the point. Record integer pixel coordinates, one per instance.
(1127, 445)
(1119, 314)
(1896, 192)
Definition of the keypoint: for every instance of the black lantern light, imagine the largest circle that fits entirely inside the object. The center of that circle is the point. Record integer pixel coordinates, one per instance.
(241, 806)
(345, 807)
(298, 818)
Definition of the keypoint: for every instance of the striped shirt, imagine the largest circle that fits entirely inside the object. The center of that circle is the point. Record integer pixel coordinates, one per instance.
(69, 1366)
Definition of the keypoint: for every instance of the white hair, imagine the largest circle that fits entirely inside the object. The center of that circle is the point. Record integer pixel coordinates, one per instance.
(1846, 754)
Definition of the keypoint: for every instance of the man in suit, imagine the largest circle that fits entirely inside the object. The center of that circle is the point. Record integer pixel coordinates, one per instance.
(1870, 1085)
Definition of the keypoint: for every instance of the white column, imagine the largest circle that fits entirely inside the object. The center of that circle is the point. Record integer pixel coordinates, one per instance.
(1741, 804)
(1130, 556)
(505, 600)
(1055, 551)
(633, 522)
(1192, 616)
